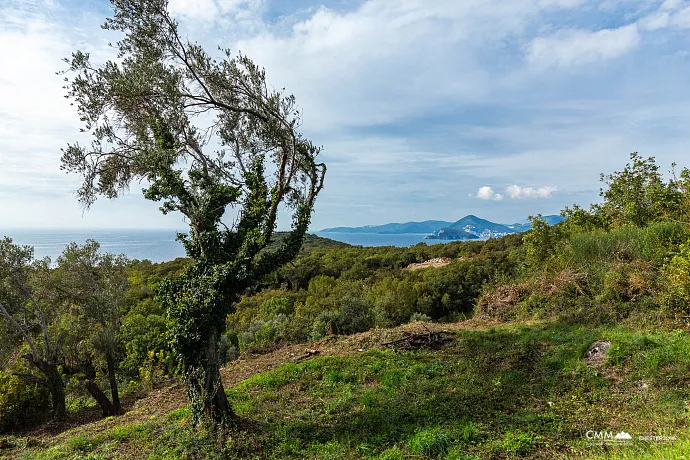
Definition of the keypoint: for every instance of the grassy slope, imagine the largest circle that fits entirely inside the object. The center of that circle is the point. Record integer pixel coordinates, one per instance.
(497, 391)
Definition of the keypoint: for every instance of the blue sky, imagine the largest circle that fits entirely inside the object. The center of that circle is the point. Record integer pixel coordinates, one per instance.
(426, 109)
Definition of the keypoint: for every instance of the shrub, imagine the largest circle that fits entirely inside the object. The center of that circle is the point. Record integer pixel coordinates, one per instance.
(229, 346)
(158, 365)
(22, 403)
(394, 453)
(676, 289)
(468, 432)
(500, 302)
(144, 337)
(261, 333)
(541, 241)
(353, 315)
(653, 243)
(628, 282)
(420, 317)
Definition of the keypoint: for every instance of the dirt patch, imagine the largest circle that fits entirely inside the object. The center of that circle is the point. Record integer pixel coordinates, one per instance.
(432, 263)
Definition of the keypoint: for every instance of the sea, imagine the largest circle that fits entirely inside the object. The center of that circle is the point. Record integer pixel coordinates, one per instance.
(154, 245)
(376, 239)
(161, 245)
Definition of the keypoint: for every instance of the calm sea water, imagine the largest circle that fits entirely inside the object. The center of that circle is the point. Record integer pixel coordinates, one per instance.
(154, 245)
(160, 245)
(374, 239)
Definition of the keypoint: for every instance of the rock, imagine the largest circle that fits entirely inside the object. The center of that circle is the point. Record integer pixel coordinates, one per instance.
(596, 352)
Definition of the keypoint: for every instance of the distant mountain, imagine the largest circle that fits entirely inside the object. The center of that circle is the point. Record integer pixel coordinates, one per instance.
(424, 228)
(450, 233)
(480, 227)
(473, 227)
(468, 228)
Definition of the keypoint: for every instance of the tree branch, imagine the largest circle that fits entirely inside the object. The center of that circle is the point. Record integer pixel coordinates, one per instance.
(21, 330)
(32, 378)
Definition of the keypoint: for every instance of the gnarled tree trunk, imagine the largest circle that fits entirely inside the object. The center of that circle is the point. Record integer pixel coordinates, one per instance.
(117, 409)
(216, 405)
(53, 381)
(100, 397)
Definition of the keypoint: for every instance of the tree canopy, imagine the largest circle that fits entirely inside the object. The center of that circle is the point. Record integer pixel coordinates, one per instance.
(206, 135)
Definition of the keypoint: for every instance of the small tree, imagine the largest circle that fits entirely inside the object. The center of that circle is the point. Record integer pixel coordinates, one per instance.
(207, 135)
(541, 241)
(638, 195)
(95, 285)
(26, 306)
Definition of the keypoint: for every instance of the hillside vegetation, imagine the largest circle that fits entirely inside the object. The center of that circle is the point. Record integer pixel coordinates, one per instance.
(496, 391)
(310, 375)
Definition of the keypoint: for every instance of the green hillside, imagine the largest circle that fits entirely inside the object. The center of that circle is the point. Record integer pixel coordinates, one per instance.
(496, 391)
(545, 345)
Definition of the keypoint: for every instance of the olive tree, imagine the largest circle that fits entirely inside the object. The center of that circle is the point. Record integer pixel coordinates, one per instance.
(94, 285)
(208, 136)
(28, 308)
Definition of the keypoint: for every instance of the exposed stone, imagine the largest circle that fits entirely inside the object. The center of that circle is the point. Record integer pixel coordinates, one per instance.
(596, 352)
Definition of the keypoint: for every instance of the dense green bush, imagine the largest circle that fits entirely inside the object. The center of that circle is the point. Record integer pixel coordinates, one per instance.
(22, 403)
(353, 314)
(348, 290)
(676, 290)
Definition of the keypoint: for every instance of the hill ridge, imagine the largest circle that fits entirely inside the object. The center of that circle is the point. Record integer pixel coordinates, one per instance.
(466, 228)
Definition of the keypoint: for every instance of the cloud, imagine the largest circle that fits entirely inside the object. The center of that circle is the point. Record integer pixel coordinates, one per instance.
(487, 193)
(388, 60)
(520, 193)
(674, 14)
(416, 103)
(211, 10)
(572, 47)
(514, 192)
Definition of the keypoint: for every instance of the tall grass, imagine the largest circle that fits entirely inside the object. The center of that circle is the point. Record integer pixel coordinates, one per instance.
(652, 243)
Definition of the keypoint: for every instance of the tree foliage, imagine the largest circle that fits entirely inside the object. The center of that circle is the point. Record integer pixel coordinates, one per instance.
(638, 195)
(95, 285)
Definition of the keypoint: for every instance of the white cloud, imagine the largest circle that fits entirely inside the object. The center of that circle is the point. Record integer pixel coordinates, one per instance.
(210, 10)
(388, 60)
(671, 14)
(487, 193)
(520, 193)
(671, 5)
(681, 19)
(656, 21)
(515, 192)
(571, 47)
(416, 102)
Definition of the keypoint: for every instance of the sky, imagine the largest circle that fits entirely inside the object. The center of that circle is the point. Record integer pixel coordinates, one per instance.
(426, 109)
